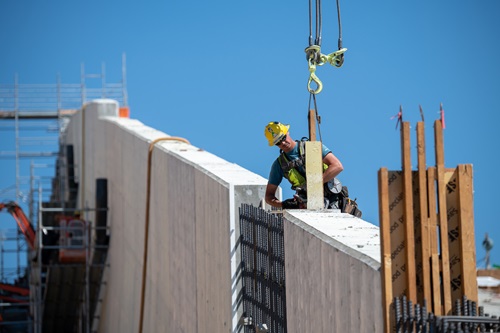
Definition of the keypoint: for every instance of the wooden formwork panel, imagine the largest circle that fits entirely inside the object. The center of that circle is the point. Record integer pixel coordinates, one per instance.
(393, 241)
(466, 231)
(427, 231)
(461, 233)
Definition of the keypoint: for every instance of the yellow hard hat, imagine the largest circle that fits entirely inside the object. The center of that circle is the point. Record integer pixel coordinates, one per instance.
(275, 131)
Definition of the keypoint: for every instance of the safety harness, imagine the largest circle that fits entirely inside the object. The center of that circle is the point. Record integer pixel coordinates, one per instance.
(294, 170)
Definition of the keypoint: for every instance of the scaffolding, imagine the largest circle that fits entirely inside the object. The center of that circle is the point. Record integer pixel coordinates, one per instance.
(65, 292)
(37, 114)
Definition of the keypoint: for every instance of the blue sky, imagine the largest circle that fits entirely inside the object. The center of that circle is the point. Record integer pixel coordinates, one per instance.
(215, 72)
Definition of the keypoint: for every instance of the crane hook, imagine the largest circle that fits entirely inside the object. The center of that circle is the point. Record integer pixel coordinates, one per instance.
(313, 77)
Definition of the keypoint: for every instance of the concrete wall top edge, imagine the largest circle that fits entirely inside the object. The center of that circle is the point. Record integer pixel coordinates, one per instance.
(103, 100)
(345, 232)
(209, 163)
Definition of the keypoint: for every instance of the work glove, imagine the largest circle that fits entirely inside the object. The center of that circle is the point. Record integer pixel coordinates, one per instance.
(290, 204)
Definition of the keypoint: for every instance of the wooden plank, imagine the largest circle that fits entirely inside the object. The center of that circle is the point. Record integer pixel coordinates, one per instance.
(434, 303)
(314, 175)
(312, 125)
(408, 213)
(385, 247)
(423, 215)
(467, 242)
(436, 306)
(442, 220)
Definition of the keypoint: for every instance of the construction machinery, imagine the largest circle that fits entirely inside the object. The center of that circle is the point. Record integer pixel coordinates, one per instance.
(72, 233)
(22, 222)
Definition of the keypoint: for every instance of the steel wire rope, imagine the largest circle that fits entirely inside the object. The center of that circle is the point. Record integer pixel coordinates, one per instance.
(318, 23)
(146, 224)
(318, 118)
(319, 28)
(340, 25)
(339, 19)
(310, 24)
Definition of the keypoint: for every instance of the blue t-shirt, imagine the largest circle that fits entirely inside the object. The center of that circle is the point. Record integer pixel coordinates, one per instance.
(276, 174)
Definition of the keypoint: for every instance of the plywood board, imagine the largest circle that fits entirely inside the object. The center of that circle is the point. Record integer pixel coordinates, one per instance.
(450, 179)
(398, 234)
(466, 230)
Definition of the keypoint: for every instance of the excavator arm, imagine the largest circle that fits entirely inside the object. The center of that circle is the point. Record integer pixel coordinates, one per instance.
(22, 221)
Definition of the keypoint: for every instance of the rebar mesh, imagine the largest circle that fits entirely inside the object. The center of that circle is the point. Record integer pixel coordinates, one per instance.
(263, 269)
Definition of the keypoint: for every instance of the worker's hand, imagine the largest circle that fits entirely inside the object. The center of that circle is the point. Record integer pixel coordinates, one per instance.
(290, 204)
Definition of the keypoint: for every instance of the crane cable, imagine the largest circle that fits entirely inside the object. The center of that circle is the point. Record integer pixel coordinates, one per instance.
(318, 117)
(313, 51)
(316, 58)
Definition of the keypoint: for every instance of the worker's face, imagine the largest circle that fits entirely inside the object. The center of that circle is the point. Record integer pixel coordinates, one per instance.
(286, 144)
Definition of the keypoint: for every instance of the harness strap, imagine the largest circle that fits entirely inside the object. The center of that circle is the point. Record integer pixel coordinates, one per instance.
(298, 164)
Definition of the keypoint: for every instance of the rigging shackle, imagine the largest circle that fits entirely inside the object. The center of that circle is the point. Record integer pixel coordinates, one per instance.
(335, 58)
(313, 52)
(316, 58)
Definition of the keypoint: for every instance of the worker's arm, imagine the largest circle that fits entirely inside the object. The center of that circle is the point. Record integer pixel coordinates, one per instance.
(334, 167)
(271, 195)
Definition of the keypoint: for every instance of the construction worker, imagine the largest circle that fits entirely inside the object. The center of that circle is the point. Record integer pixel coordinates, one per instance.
(291, 165)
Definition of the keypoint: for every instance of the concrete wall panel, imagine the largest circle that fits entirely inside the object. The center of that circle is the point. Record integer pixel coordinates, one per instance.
(332, 284)
(192, 282)
(213, 255)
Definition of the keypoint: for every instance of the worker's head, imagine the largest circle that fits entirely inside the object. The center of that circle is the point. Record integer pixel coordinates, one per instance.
(276, 132)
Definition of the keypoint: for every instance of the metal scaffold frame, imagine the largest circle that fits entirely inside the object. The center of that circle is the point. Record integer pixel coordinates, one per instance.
(38, 115)
(47, 297)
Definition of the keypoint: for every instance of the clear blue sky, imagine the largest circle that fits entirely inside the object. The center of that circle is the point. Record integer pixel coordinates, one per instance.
(215, 72)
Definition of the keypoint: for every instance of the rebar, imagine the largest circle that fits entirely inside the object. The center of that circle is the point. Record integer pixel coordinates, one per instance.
(263, 270)
(415, 318)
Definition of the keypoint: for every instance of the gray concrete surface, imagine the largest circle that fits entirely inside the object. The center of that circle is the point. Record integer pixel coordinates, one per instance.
(332, 273)
(192, 284)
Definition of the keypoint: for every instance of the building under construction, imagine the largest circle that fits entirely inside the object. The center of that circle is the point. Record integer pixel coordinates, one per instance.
(138, 231)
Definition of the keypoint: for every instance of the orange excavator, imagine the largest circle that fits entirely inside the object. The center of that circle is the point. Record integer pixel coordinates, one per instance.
(22, 221)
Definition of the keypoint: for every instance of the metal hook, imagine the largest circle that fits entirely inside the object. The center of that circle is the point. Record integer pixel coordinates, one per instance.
(313, 77)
